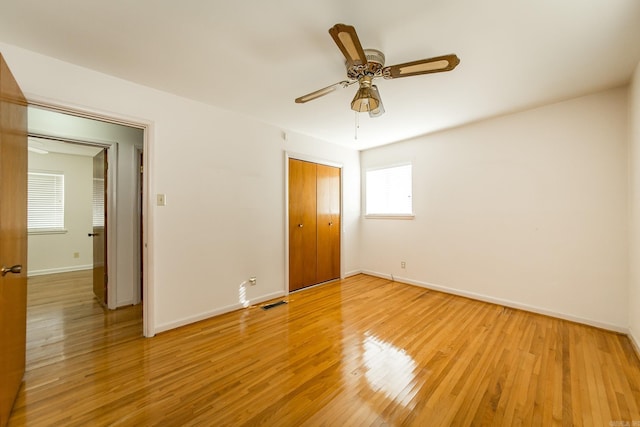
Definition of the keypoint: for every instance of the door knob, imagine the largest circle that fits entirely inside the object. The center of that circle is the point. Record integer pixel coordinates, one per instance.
(300, 225)
(16, 269)
(93, 234)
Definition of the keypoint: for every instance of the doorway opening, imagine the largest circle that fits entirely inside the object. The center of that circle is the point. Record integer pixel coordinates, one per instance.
(74, 137)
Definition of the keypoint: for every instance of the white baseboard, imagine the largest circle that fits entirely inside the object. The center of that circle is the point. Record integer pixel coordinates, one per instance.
(352, 273)
(126, 303)
(32, 273)
(500, 301)
(217, 312)
(267, 297)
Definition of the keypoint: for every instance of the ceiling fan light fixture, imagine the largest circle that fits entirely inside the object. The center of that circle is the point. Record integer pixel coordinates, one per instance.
(364, 101)
(377, 112)
(367, 98)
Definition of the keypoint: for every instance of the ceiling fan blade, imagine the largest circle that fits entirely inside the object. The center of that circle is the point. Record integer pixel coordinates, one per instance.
(380, 110)
(322, 92)
(423, 66)
(347, 40)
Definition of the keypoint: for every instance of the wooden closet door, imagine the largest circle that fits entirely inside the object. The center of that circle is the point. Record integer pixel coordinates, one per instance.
(328, 214)
(302, 224)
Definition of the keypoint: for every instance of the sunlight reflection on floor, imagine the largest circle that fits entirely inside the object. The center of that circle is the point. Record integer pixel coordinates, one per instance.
(242, 295)
(389, 369)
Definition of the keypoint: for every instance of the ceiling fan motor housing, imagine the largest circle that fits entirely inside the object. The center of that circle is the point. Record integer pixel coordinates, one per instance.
(374, 55)
(373, 67)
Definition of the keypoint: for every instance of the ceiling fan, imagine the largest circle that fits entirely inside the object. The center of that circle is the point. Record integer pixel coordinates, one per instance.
(364, 65)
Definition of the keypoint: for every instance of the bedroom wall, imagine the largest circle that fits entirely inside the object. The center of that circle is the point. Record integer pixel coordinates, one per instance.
(54, 253)
(528, 209)
(223, 176)
(634, 208)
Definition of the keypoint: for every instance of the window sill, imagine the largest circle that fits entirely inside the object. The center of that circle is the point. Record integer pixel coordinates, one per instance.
(47, 231)
(390, 216)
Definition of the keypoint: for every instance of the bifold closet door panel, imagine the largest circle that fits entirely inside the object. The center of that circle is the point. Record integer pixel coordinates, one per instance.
(328, 220)
(302, 224)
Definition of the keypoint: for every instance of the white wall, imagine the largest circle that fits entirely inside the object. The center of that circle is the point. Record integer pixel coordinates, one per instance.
(54, 253)
(634, 208)
(527, 209)
(223, 175)
(128, 139)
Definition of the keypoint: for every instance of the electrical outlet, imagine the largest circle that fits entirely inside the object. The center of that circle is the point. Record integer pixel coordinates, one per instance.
(76, 254)
(403, 264)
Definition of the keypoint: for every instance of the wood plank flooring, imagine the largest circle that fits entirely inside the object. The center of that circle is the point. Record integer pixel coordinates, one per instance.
(363, 351)
(64, 319)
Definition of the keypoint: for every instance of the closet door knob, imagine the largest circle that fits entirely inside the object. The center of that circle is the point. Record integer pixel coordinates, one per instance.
(300, 225)
(16, 269)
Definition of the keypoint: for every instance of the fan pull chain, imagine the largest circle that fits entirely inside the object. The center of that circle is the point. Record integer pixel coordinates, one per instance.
(357, 126)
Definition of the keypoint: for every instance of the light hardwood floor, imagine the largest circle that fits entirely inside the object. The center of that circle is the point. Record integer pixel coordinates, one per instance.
(363, 351)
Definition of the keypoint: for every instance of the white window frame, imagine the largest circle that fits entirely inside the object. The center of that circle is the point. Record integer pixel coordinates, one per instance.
(387, 215)
(56, 225)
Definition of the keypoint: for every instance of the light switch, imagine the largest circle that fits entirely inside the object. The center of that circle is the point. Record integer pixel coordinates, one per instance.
(161, 200)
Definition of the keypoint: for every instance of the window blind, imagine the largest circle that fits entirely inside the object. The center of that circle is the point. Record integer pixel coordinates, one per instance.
(45, 200)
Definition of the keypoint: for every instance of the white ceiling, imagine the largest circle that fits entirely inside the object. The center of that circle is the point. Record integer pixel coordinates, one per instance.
(256, 57)
(45, 146)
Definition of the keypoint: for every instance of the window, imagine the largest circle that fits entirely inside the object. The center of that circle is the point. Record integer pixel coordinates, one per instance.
(45, 202)
(388, 192)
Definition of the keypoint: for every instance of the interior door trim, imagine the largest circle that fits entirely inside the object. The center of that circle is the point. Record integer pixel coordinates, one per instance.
(148, 304)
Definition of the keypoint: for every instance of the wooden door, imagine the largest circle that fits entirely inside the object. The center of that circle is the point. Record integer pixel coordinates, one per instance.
(328, 229)
(302, 224)
(99, 233)
(13, 239)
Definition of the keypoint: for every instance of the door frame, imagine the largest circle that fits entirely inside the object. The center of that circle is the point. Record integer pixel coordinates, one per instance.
(148, 284)
(308, 158)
